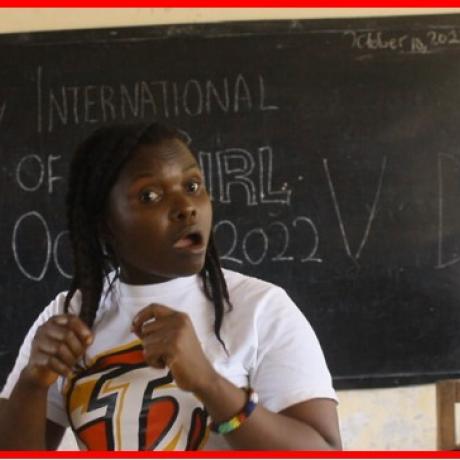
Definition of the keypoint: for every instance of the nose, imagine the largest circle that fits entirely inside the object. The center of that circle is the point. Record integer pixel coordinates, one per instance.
(183, 210)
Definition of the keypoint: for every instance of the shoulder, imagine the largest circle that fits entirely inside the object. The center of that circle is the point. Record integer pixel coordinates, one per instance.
(255, 296)
(56, 306)
(240, 284)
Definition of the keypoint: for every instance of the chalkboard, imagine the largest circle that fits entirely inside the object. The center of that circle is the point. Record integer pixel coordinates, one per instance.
(331, 150)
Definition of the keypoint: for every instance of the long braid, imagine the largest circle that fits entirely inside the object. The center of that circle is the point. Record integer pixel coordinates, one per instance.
(94, 170)
(215, 286)
(88, 263)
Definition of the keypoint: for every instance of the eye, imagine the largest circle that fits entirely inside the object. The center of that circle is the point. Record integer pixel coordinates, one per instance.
(193, 186)
(149, 196)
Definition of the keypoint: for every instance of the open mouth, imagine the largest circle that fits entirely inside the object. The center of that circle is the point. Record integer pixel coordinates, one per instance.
(192, 240)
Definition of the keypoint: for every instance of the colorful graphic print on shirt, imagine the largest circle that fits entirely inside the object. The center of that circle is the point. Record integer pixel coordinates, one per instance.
(119, 403)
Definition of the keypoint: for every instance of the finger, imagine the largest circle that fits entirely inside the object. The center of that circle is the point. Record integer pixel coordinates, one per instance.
(81, 330)
(154, 327)
(167, 324)
(155, 358)
(59, 366)
(51, 363)
(68, 337)
(156, 349)
(152, 311)
(59, 350)
(160, 342)
(63, 320)
(74, 323)
(158, 362)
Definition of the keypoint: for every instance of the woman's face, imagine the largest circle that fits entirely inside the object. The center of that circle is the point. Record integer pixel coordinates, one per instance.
(158, 218)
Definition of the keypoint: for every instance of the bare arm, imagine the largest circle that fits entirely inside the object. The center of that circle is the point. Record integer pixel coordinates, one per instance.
(170, 341)
(56, 347)
(309, 425)
(25, 409)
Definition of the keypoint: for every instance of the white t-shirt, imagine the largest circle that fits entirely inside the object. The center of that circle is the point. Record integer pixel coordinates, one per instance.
(118, 402)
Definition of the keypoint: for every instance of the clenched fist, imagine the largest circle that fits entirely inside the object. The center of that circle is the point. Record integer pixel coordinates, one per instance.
(57, 346)
(170, 340)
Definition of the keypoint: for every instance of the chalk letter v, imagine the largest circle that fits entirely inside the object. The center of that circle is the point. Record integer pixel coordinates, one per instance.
(339, 215)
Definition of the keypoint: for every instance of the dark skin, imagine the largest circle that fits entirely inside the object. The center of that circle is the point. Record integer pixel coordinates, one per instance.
(159, 196)
(159, 192)
(56, 348)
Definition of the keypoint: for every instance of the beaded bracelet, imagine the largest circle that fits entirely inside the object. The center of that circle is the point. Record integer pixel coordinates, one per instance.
(237, 420)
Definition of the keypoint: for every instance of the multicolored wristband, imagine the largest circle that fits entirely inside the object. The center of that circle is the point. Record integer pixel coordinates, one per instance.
(237, 420)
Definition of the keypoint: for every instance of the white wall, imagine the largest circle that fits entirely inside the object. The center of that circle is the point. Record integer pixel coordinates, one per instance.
(383, 419)
(29, 19)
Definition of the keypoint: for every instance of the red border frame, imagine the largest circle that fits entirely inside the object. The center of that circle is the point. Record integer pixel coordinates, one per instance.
(342, 4)
(231, 454)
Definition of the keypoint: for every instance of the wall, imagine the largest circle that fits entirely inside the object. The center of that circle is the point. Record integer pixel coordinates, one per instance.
(378, 419)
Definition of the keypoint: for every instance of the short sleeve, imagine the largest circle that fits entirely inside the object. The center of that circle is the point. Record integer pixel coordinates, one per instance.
(55, 402)
(290, 365)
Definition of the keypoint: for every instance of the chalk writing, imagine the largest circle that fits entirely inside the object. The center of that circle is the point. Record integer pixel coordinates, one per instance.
(32, 171)
(239, 168)
(224, 170)
(281, 256)
(442, 38)
(418, 46)
(26, 225)
(89, 104)
(263, 252)
(233, 240)
(372, 213)
(443, 158)
(25, 169)
(311, 257)
(60, 240)
(376, 40)
(407, 42)
(234, 168)
(255, 243)
(15, 245)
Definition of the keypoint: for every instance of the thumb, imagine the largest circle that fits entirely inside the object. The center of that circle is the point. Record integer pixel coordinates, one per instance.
(150, 313)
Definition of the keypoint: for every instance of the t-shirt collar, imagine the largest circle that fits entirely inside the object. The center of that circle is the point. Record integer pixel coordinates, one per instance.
(176, 285)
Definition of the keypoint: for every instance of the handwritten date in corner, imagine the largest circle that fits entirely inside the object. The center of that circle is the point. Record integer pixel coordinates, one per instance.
(422, 42)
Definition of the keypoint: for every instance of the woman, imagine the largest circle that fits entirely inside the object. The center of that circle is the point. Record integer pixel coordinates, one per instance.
(155, 346)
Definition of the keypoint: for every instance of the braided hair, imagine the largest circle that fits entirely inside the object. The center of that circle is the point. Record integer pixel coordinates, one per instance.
(94, 169)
